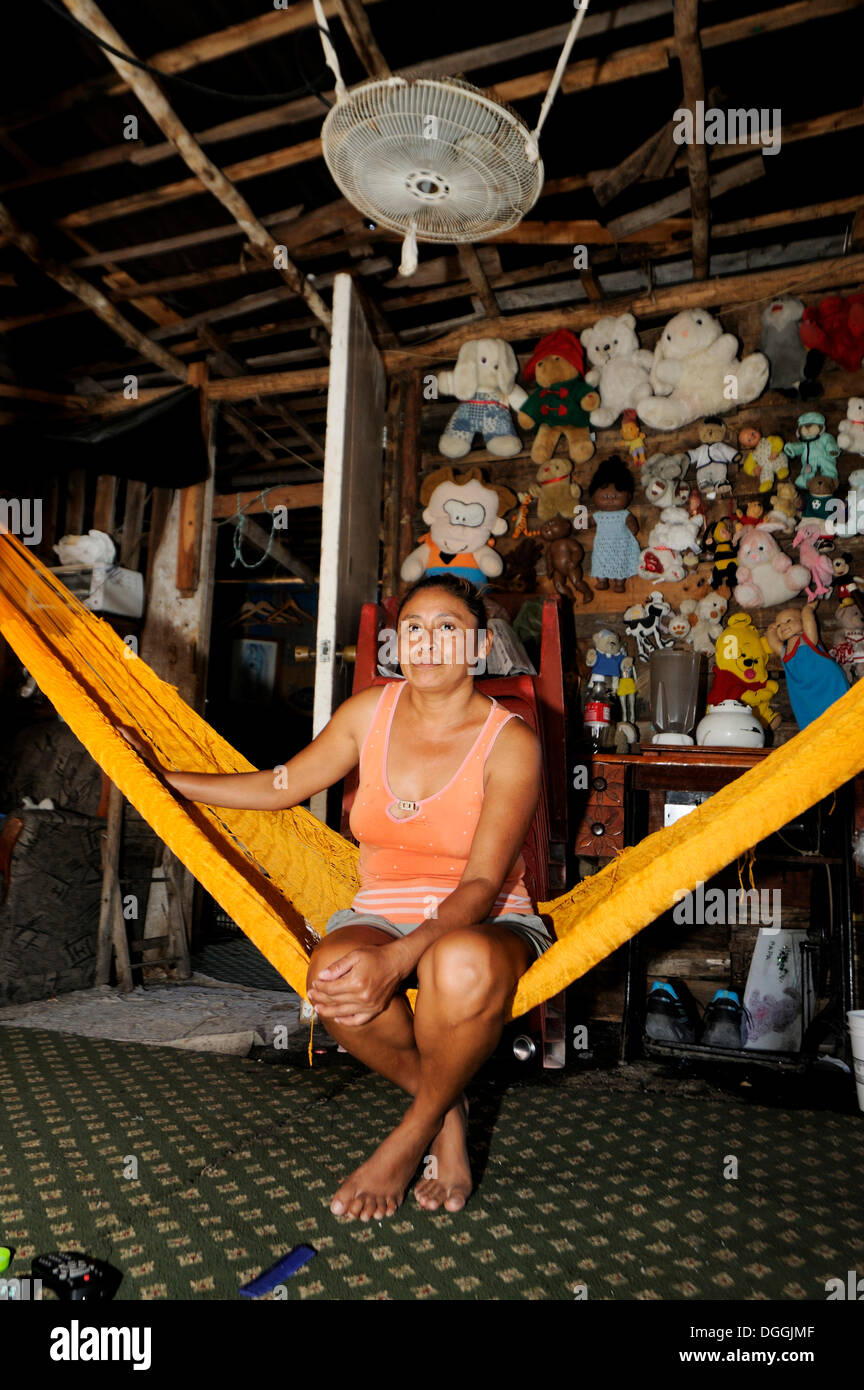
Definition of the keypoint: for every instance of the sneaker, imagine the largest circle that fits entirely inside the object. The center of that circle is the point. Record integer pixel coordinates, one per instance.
(671, 1014)
(724, 1015)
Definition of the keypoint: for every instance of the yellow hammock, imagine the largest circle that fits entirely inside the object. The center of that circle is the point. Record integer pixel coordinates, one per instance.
(270, 871)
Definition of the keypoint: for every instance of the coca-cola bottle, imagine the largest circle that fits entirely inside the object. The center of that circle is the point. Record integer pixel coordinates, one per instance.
(600, 713)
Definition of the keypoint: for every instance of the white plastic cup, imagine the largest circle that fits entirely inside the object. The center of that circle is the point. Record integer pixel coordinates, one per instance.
(856, 1034)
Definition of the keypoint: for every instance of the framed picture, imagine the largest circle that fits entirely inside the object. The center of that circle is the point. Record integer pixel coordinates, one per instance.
(253, 671)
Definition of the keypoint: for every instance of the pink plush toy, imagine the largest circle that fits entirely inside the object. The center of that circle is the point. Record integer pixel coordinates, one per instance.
(766, 576)
(820, 567)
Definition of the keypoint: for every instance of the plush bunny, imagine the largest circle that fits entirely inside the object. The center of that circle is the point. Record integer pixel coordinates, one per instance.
(850, 433)
(662, 480)
(484, 380)
(706, 618)
(766, 576)
(619, 367)
(696, 372)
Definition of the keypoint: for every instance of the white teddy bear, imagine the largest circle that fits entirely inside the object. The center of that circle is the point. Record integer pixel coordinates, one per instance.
(696, 372)
(619, 367)
(706, 616)
(850, 435)
(675, 532)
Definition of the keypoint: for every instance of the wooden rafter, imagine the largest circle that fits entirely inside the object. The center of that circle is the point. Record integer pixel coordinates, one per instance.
(206, 172)
(690, 61)
(359, 31)
(476, 275)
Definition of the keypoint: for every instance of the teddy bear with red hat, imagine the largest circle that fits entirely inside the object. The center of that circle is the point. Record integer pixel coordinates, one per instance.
(561, 399)
(835, 326)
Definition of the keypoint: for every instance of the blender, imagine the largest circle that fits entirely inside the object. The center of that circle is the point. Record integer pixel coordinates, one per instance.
(674, 694)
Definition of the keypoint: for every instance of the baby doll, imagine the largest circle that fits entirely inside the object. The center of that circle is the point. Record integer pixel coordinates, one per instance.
(563, 555)
(616, 551)
(813, 679)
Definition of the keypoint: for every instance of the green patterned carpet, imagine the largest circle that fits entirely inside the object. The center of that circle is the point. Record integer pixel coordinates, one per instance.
(580, 1184)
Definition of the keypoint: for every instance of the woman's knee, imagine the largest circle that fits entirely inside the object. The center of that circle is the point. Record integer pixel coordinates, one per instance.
(465, 967)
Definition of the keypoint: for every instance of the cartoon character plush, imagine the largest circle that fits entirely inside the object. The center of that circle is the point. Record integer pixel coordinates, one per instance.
(740, 670)
(766, 576)
(619, 367)
(561, 399)
(813, 680)
(673, 535)
(462, 513)
(793, 366)
(555, 492)
(752, 515)
(846, 585)
(719, 545)
(816, 448)
(662, 480)
(850, 434)
(484, 380)
(633, 438)
(607, 657)
(763, 457)
(785, 505)
(705, 616)
(642, 621)
(835, 326)
(696, 372)
(712, 459)
(563, 555)
(615, 555)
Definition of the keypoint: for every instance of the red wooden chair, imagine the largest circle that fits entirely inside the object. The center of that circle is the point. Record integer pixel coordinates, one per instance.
(539, 700)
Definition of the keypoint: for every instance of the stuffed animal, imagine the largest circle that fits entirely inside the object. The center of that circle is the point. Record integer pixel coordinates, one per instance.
(697, 510)
(619, 367)
(662, 480)
(642, 621)
(521, 563)
(793, 367)
(615, 555)
(785, 505)
(563, 555)
(820, 567)
(816, 448)
(835, 327)
(633, 438)
(821, 507)
(766, 576)
(696, 372)
(763, 457)
(740, 670)
(813, 680)
(462, 513)
(677, 626)
(705, 616)
(719, 545)
(845, 585)
(848, 649)
(561, 399)
(607, 658)
(850, 514)
(484, 380)
(752, 515)
(676, 532)
(850, 434)
(712, 459)
(96, 548)
(555, 492)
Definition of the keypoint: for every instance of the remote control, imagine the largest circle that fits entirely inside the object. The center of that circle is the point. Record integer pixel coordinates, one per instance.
(76, 1276)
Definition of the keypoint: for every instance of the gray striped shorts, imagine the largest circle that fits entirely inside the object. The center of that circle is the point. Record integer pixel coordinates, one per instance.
(527, 925)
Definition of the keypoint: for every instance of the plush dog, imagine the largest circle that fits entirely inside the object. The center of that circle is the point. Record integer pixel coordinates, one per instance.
(619, 367)
(484, 380)
(696, 372)
(706, 618)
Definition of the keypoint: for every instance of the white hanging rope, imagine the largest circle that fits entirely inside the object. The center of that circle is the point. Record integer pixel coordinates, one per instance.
(329, 51)
(532, 145)
(408, 264)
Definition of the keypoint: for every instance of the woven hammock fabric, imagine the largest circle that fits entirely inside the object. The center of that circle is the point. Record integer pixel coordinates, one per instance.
(271, 870)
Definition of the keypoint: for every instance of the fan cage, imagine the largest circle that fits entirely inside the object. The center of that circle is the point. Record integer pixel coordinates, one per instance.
(437, 157)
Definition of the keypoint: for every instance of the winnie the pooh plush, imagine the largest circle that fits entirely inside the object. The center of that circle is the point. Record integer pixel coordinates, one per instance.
(561, 399)
(740, 670)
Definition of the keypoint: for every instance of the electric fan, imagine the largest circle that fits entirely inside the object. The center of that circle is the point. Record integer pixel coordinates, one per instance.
(434, 158)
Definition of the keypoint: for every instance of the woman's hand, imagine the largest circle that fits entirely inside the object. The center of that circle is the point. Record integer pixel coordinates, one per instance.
(142, 748)
(358, 986)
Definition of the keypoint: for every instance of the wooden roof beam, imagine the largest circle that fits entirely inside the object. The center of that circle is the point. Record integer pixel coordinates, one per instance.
(690, 62)
(206, 172)
(362, 40)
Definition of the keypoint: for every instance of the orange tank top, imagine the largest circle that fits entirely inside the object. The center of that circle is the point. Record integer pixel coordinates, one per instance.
(410, 864)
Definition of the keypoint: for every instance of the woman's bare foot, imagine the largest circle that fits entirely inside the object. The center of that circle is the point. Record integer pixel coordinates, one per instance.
(451, 1183)
(377, 1187)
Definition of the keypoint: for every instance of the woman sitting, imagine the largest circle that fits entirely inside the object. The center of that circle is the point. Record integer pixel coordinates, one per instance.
(448, 786)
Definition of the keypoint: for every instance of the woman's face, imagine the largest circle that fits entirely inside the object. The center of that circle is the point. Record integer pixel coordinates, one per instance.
(439, 642)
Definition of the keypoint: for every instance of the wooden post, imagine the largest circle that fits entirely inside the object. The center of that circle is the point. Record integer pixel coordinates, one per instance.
(192, 512)
(409, 465)
(105, 503)
(112, 927)
(392, 489)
